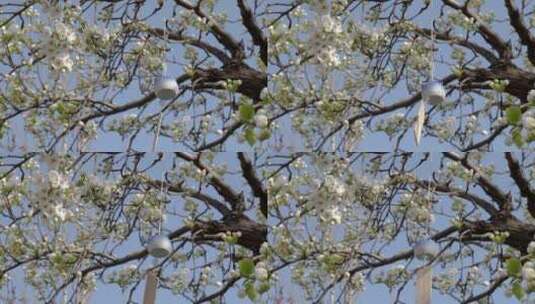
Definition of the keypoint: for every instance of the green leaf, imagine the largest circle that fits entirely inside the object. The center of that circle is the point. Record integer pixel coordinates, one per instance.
(513, 114)
(246, 267)
(250, 291)
(264, 134)
(263, 287)
(250, 136)
(246, 112)
(514, 267)
(517, 138)
(517, 290)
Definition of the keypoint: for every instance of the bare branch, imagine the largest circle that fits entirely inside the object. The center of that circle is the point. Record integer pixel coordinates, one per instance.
(523, 184)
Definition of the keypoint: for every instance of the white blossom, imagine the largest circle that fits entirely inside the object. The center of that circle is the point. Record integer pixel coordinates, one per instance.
(179, 280)
(65, 32)
(335, 215)
(334, 185)
(261, 120)
(63, 61)
(528, 120)
(531, 248)
(330, 24)
(54, 177)
(531, 96)
(261, 273)
(60, 212)
(57, 180)
(528, 275)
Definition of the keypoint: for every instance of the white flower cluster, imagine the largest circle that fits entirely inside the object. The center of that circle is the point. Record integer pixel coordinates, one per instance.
(474, 275)
(124, 277)
(179, 280)
(416, 53)
(531, 96)
(332, 215)
(328, 56)
(456, 169)
(461, 20)
(498, 84)
(261, 272)
(417, 208)
(528, 125)
(528, 270)
(472, 124)
(395, 276)
(357, 281)
(261, 119)
(327, 199)
(322, 43)
(531, 248)
(334, 185)
(206, 123)
(60, 213)
(329, 24)
(528, 276)
(445, 129)
(446, 281)
(58, 180)
(52, 195)
(125, 124)
(57, 42)
(179, 127)
(206, 273)
(57, 37)
(147, 206)
(393, 124)
(354, 135)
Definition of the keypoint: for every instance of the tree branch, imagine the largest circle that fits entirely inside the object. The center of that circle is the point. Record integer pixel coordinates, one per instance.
(223, 37)
(399, 105)
(523, 184)
(256, 33)
(494, 192)
(254, 182)
(488, 292)
(488, 207)
(233, 198)
(493, 39)
(515, 19)
(219, 54)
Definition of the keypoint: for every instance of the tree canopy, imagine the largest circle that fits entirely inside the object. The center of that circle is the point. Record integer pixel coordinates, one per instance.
(76, 72)
(342, 224)
(304, 158)
(347, 74)
(69, 224)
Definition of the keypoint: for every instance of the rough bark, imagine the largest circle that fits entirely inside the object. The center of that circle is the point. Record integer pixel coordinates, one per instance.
(520, 233)
(253, 234)
(520, 81)
(252, 81)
